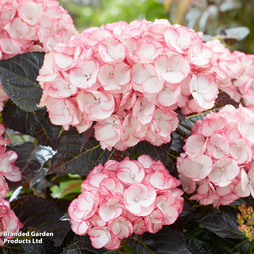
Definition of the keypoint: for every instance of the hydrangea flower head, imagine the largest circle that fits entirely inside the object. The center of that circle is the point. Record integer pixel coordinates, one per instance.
(129, 79)
(8, 220)
(235, 72)
(218, 160)
(34, 25)
(122, 198)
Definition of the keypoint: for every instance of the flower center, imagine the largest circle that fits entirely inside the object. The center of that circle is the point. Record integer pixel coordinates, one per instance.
(217, 149)
(200, 165)
(136, 200)
(111, 75)
(88, 77)
(97, 101)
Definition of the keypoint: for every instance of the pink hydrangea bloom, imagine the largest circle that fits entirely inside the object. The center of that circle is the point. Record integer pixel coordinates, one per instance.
(204, 90)
(121, 198)
(35, 25)
(153, 222)
(196, 167)
(3, 97)
(218, 160)
(139, 199)
(121, 227)
(102, 237)
(3, 188)
(7, 160)
(8, 221)
(7, 167)
(129, 79)
(235, 72)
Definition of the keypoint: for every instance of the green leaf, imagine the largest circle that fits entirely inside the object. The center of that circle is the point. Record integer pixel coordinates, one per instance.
(41, 215)
(30, 160)
(83, 245)
(66, 187)
(223, 224)
(167, 240)
(77, 154)
(18, 77)
(251, 248)
(36, 124)
(127, 248)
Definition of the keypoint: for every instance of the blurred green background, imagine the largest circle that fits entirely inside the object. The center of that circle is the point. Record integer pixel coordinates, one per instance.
(208, 16)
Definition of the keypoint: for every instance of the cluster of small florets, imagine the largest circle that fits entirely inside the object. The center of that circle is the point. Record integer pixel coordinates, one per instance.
(3, 97)
(218, 160)
(122, 198)
(246, 221)
(235, 72)
(129, 78)
(34, 25)
(8, 220)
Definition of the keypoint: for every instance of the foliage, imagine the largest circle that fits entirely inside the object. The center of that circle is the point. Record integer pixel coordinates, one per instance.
(18, 77)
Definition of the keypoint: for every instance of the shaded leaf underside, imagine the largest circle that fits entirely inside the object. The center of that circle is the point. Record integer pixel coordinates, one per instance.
(18, 77)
